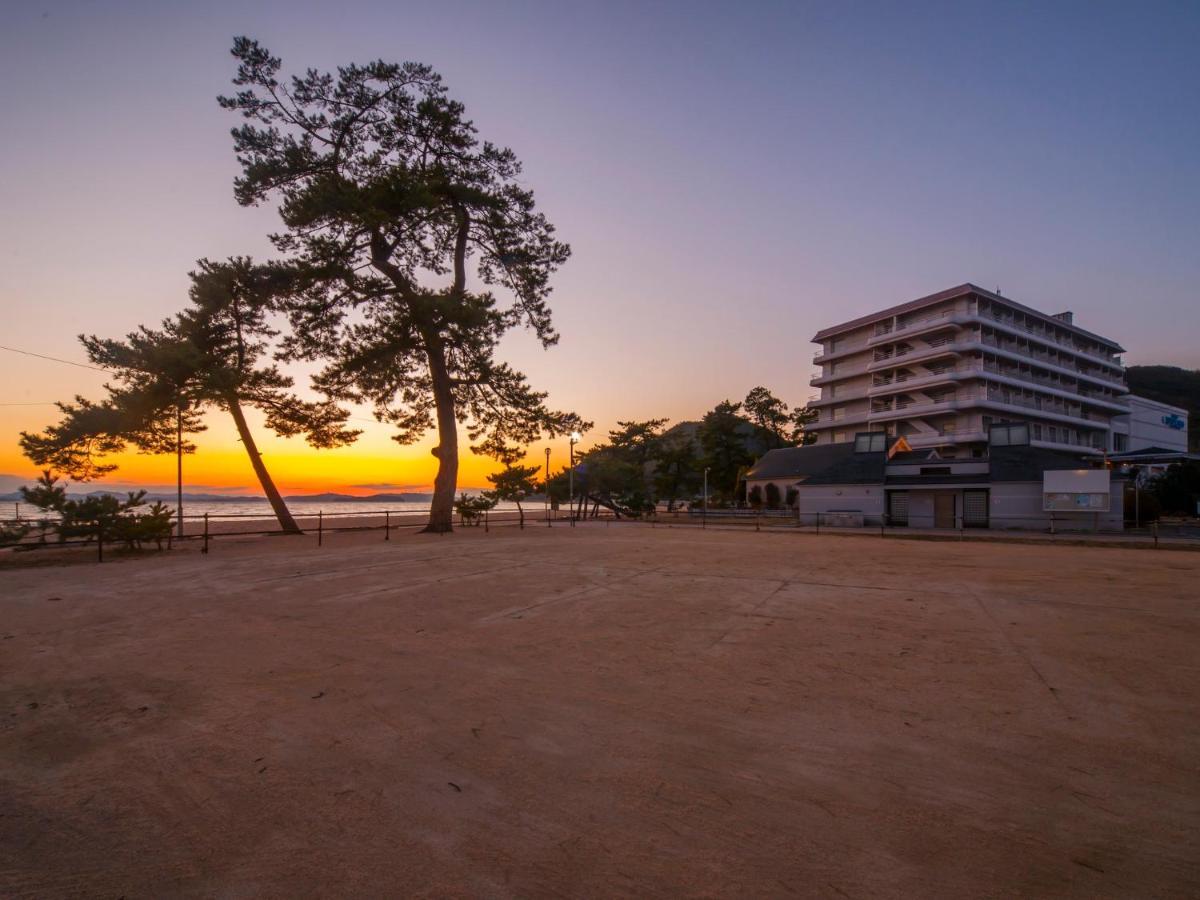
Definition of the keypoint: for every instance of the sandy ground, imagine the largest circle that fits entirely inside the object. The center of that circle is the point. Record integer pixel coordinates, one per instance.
(602, 711)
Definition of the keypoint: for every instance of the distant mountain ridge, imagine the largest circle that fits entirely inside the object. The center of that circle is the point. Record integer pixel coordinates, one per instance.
(328, 497)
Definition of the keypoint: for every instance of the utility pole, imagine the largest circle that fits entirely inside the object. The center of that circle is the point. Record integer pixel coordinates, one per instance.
(547, 487)
(574, 439)
(179, 466)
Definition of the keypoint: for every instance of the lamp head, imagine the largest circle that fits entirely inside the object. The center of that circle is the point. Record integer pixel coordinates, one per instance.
(575, 437)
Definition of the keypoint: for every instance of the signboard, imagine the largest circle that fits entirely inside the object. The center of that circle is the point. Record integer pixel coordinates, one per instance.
(1076, 490)
(1174, 421)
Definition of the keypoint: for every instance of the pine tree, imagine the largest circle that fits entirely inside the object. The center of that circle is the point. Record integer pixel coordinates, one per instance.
(389, 202)
(214, 354)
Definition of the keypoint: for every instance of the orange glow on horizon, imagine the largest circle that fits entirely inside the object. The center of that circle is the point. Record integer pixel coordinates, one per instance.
(373, 464)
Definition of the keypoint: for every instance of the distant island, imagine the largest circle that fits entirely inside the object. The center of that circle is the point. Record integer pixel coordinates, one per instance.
(15, 496)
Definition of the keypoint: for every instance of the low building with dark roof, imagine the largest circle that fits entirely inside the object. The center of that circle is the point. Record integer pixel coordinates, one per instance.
(1008, 487)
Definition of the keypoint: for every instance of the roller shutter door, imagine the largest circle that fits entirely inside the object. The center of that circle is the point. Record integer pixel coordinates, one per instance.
(898, 508)
(975, 509)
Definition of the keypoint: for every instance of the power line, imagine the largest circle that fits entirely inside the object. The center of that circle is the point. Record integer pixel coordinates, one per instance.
(98, 369)
(53, 359)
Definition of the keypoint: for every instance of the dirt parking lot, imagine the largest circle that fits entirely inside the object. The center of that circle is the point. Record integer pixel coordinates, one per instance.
(603, 711)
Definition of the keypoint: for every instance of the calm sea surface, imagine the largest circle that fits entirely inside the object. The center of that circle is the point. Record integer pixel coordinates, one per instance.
(259, 508)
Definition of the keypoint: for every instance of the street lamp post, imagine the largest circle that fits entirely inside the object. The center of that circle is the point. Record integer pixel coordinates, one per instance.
(575, 436)
(547, 487)
(704, 519)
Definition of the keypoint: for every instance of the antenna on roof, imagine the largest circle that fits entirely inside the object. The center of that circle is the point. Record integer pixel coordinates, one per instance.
(998, 294)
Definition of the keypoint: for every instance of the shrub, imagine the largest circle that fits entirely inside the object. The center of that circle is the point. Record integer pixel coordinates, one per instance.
(471, 509)
(102, 517)
(13, 532)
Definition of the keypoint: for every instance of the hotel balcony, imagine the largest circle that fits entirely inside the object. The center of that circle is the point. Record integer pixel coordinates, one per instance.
(885, 332)
(1093, 354)
(859, 394)
(945, 347)
(938, 347)
(900, 383)
(840, 376)
(915, 408)
(840, 353)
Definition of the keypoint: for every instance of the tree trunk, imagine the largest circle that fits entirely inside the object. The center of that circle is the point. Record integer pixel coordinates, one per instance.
(441, 510)
(521, 513)
(286, 522)
(179, 467)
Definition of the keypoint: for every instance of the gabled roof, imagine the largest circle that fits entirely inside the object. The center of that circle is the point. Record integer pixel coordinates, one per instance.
(852, 468)
(799, 462)
(821, 464)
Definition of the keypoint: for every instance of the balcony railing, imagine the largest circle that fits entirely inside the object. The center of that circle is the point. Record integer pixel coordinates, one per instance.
(1070, 365)
(1046, 335)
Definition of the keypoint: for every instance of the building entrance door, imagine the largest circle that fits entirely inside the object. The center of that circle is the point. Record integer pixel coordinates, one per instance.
(943, 510)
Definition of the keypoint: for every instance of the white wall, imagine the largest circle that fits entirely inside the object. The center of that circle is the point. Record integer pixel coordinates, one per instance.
(1018, 504)
(1145, 426)
(815, 498)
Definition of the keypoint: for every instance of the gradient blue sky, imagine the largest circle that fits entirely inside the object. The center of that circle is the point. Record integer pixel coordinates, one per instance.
(732, 177)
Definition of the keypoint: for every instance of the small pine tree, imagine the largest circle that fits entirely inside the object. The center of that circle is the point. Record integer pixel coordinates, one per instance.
(471, 509)
(99, 517)
(513, 484)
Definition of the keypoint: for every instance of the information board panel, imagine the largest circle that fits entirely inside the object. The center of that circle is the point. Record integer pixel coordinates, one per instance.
(1076, 490)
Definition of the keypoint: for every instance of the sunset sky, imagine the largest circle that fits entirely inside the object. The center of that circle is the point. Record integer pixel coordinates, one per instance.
(731, 177)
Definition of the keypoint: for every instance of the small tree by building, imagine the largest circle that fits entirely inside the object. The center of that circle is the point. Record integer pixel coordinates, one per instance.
(1178, 488)
(773, 495)
(755, 496)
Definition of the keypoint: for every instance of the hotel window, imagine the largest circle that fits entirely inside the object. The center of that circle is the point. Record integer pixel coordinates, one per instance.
(1013, 434)
(1120, 443)
(870, 442)
(839, 413)
(1037, 432)
(839, 437)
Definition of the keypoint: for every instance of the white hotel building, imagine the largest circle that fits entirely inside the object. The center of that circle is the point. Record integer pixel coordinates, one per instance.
(941, 370)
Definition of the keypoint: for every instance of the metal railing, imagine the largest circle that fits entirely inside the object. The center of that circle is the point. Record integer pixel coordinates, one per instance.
(207, 527)
(1056, 527)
